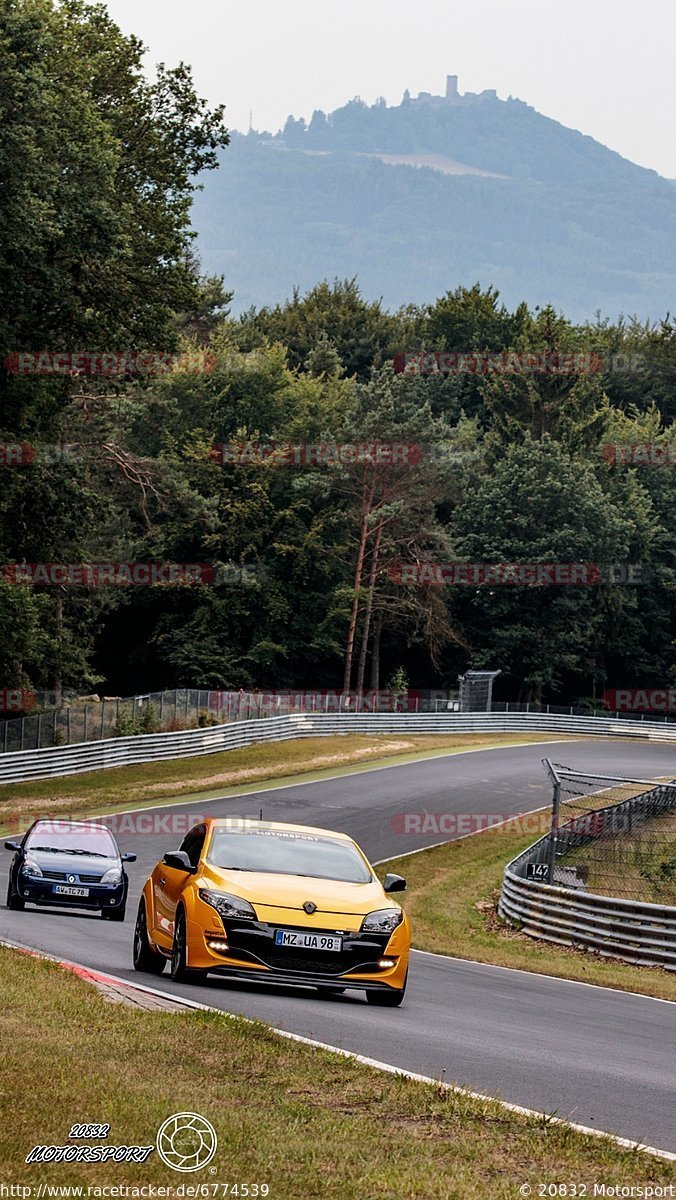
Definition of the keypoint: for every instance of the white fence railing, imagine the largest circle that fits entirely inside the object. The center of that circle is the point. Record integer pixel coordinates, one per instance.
(124, 751)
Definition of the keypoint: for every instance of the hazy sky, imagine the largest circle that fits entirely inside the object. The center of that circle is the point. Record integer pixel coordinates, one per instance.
(605, 67)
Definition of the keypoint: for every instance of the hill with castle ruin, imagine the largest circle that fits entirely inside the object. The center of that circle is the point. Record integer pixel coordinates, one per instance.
(417, 198)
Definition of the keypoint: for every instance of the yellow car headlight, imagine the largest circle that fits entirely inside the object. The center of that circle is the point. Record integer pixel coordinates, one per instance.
(384, 920)
(227, 905)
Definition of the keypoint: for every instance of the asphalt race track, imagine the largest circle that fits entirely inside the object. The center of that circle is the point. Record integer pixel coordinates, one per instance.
(599, 1057)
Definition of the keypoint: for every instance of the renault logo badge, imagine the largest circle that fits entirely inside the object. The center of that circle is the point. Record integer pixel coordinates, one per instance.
(309, 907)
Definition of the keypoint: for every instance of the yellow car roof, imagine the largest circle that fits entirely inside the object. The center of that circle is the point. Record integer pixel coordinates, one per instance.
(252, 823)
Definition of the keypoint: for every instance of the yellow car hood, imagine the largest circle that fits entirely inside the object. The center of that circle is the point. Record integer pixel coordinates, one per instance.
(262, 888)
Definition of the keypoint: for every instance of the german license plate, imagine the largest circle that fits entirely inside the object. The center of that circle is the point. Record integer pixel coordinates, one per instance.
(308, 941)
(62, 889)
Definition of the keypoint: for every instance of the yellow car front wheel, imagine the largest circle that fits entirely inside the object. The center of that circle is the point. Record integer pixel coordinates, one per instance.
(145, 958)
(179, 954)
(390, 999)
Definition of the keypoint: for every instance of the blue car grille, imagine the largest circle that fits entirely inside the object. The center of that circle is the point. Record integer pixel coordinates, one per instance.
(78, 878)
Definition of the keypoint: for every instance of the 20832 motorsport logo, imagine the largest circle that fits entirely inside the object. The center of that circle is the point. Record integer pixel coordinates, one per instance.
(186, 1141)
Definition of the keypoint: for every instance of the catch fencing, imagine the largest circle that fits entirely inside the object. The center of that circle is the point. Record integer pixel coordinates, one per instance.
(605, 877)
(126, 751)
(179, 709)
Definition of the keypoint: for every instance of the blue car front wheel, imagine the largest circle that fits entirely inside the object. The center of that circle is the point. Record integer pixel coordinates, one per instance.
(13, 901)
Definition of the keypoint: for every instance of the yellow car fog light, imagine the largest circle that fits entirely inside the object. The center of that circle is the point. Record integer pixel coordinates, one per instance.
(217, 944)
(386, 962)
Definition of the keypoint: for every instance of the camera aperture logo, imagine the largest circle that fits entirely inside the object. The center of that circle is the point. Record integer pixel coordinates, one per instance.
(186, 1142)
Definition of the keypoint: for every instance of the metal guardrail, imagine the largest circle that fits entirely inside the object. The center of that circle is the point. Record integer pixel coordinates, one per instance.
(58, 761)
(632, 930)
(125, 751)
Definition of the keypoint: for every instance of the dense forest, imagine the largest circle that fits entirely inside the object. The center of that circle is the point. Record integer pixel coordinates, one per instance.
(141, 422)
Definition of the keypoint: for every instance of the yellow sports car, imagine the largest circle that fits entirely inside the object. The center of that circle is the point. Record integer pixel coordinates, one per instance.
(286, 904)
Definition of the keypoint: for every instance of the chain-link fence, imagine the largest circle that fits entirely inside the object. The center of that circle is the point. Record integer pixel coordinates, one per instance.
(189, 708)
(572, 710)
(614, 837)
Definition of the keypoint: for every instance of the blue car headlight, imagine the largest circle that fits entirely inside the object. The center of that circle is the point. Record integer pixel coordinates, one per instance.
(114, 875)
(31, 869)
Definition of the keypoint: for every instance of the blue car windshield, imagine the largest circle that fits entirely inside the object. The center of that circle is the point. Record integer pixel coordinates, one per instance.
(280, 852)
(72, 839)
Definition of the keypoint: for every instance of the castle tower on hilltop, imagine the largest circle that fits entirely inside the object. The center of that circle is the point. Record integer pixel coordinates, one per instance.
(452, 95)
(452, 87)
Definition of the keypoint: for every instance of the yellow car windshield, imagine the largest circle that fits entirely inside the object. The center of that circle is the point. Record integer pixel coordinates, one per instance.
(282, 852)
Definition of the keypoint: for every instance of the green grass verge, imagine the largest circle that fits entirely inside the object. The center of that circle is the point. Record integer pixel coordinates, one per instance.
(451, 900)
(306, 1122)
(638, 866)
(230, 771)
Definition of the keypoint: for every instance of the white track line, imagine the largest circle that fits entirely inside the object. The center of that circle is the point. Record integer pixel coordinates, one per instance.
(601, 987)
(360, 1058)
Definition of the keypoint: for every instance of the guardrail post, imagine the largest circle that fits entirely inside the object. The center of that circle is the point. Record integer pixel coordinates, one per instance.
(556, 805)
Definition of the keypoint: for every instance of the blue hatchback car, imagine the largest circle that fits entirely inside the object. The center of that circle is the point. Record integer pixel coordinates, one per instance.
(69, 864)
